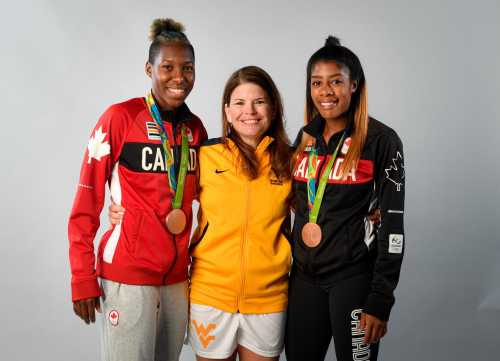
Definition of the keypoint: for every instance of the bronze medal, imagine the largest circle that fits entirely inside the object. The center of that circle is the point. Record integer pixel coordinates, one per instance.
(176, 221)
(311, 234)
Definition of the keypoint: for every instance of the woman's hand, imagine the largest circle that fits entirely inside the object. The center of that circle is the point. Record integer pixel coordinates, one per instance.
(374, 328)
(85, 309)
(116, 213)
(374, 216)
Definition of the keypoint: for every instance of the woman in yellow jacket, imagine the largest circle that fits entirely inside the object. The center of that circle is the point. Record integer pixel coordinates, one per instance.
(240, 264)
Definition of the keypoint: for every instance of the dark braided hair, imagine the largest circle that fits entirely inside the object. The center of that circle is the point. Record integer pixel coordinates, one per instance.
(166, 32)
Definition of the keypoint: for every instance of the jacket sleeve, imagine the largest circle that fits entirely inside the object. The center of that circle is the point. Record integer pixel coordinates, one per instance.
(390, 190)
(101, 154)
(203, 136)
(203, 133)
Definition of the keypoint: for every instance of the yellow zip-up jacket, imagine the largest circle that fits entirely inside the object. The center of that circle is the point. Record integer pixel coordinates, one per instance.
(242, 260)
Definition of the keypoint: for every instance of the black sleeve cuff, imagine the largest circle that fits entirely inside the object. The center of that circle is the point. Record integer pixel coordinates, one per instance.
(379, 306)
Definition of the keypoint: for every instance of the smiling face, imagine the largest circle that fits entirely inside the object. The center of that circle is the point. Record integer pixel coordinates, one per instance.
(331, 89)
(172, 75)
(249, 112)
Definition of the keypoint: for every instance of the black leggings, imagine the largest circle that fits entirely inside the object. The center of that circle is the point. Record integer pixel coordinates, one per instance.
(318, 312)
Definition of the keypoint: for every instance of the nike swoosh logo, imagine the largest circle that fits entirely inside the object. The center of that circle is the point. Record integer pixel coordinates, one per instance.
(221, 171)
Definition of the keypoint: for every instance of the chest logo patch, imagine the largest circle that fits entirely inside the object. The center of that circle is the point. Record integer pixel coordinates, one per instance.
(189, 135)
(346, 145)
(276, 182)
(153, 131)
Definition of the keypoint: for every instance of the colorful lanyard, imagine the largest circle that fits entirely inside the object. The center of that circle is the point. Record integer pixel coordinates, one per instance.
(315, 198)
(177, 186)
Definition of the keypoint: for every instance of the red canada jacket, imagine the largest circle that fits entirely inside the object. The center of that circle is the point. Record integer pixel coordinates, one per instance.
(125, 151)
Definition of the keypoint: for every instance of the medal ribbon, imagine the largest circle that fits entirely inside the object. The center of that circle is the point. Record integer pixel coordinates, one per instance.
(311, 180)
(177, 186)
(181, 180)
(315, 198)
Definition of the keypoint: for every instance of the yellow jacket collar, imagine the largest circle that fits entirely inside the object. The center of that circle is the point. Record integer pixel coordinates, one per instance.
(261, 147)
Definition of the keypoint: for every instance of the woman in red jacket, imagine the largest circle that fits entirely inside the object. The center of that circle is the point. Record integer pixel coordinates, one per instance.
(145, 148)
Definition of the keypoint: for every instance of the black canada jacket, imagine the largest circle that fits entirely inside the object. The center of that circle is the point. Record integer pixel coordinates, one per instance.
(350, 244)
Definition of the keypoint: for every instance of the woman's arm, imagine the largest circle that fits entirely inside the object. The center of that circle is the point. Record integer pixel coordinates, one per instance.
(100, 157)
(390, 190)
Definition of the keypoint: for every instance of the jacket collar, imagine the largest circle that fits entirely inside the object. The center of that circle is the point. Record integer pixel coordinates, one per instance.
(181, 114)
(316, 126)
(261, 147)
(264, 143)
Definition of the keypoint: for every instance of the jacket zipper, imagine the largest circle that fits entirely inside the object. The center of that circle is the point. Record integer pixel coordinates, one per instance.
(173, 262)
(174, 153)
(320, 169)
(243, 248)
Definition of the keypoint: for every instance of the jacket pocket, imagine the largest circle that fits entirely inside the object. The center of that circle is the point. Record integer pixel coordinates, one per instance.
(357, 239)
(132, 227)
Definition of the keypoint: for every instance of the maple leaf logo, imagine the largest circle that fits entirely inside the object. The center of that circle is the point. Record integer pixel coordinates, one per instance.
(396, 172)
(97, 146)
(114, 317)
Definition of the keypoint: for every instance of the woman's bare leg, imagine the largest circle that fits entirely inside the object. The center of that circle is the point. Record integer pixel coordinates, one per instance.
(247, 355)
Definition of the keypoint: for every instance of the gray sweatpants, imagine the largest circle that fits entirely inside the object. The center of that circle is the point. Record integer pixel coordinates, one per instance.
(143, 323)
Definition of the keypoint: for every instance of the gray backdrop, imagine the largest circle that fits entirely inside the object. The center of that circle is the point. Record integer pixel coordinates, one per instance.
(432, 70)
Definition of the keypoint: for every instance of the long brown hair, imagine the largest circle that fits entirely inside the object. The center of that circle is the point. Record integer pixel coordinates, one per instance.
(279, 149)
(358, 110)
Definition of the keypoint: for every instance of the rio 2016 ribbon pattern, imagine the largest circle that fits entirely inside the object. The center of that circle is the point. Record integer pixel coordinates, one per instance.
(176, 219)
(311, 232)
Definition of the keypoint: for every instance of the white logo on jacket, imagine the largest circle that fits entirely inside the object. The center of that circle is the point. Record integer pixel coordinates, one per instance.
(395, 243)
(97, 146)
(396, 171)
(334, 175)
(153, 160)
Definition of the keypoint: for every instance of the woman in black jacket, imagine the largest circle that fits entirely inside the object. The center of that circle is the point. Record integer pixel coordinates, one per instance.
(345, 270)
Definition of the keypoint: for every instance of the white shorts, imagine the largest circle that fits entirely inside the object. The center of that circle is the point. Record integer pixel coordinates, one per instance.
(216, 334)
